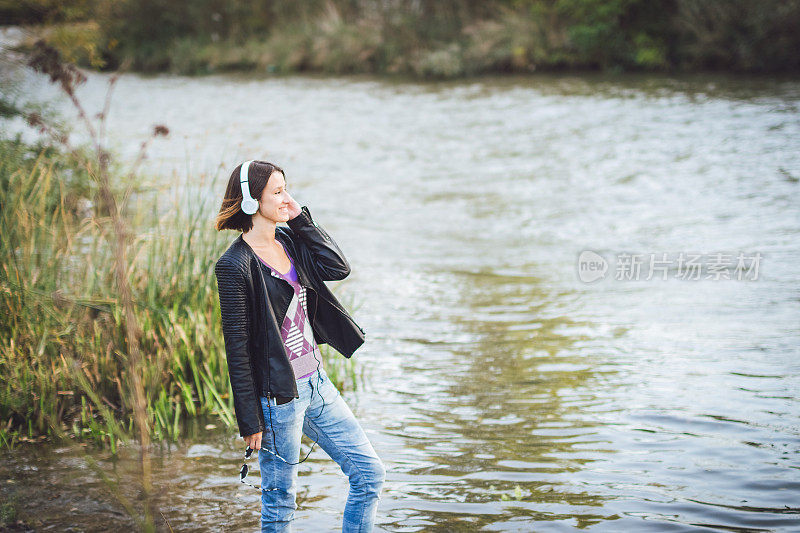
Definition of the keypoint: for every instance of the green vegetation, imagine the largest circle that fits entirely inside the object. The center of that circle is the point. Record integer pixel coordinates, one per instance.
(430, 38)
(8, 512)
(66, 335)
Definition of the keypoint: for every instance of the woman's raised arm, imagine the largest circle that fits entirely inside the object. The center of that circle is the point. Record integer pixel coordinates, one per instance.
(328, 261)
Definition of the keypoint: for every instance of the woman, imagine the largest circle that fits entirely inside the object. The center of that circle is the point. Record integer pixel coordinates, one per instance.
(276, 309)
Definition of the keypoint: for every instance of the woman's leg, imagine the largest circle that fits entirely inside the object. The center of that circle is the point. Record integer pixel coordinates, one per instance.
(341, 436)
(278, 479)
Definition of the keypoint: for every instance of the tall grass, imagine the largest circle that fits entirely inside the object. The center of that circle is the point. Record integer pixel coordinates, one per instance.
(62, 348)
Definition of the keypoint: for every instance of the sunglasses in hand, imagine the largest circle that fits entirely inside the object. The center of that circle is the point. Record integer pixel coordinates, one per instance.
(243, 472)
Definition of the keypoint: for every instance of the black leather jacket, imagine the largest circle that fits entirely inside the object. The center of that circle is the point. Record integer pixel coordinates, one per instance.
(257, 361)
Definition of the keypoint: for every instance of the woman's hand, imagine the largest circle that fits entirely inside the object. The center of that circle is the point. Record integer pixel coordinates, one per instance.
(294, 207)
(254, 440)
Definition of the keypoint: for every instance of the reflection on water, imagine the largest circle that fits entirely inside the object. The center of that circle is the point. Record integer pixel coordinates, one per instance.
(503, 393)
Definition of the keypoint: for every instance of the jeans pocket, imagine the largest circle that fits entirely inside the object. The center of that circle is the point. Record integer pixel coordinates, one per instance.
(278, 401)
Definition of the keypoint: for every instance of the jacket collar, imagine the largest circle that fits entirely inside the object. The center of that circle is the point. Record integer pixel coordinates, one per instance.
(284, 238)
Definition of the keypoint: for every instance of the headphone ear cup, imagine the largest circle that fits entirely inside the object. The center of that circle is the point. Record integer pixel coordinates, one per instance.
(249, 205)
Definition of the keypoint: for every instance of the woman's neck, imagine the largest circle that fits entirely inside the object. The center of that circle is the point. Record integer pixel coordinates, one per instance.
(262, 233)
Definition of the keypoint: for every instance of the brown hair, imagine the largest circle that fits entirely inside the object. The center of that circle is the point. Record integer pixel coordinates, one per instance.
(230, 215)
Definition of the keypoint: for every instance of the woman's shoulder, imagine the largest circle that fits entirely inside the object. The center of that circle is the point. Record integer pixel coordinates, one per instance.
(235, 257)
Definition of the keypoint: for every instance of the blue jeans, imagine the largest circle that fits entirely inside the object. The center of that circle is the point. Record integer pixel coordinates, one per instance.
(338, 433)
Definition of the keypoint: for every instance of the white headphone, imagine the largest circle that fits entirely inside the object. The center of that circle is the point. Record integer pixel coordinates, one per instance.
(249, 204)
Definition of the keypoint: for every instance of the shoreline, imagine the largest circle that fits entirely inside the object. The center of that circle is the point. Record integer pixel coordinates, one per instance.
(443, 64)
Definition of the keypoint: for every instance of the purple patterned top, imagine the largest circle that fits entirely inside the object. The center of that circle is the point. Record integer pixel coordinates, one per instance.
(296, 331)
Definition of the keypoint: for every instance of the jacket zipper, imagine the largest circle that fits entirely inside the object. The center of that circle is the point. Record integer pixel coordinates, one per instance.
(265, 303)
(316, 303)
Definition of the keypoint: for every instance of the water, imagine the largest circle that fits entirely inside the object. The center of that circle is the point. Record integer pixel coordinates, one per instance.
(503, 393)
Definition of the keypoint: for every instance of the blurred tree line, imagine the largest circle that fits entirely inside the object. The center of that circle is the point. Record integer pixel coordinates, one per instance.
(426, 37)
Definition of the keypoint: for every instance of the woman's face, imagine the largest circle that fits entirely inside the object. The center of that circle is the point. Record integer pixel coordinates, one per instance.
(274, 202)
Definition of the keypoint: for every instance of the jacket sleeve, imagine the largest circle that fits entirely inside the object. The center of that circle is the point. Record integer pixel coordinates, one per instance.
(328, 262)
(233, 307)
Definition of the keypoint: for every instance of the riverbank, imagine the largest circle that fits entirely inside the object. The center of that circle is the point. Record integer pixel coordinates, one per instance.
(431, 42)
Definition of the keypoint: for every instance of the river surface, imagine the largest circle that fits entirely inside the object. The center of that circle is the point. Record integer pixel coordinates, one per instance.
(504, 393)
